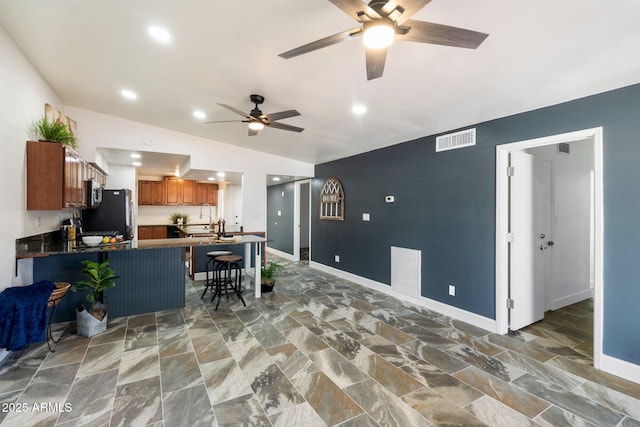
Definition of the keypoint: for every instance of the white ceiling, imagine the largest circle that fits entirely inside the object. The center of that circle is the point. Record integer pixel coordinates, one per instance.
(537, 54)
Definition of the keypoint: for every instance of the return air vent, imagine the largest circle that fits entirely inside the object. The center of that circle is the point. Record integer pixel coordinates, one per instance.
(465, 138)
(563, 147)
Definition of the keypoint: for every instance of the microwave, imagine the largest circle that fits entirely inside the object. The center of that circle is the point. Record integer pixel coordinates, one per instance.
(94, 193)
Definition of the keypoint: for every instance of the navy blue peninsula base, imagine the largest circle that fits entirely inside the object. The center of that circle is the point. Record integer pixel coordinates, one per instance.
(150, 280)
(152, 272)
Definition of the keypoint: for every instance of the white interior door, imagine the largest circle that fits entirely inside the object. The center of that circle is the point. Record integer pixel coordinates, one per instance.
(543, 229)
(528, 299)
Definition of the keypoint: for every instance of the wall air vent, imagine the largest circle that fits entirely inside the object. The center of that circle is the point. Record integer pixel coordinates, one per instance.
(564, 147)
(451, 141)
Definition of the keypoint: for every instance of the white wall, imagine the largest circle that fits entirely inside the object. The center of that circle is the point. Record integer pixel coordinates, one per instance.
(23, 95)
(100, 130)
(571, 186)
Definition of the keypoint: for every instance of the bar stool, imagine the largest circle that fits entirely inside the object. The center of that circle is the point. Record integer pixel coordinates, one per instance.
(211, 266)
(227, 278)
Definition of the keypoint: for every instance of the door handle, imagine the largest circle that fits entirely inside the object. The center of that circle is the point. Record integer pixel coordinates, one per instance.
(543, 247)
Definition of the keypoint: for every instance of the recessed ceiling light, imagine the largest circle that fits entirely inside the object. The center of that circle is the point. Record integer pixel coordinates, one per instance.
(211, 178)
(159, 34)
(359, 109)
(129, 94)
(199, 114)
(220, 174)
(276, 178)
(137, 164)
(135, 156)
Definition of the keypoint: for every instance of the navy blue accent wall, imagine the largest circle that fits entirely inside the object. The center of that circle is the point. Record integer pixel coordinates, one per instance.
(445, 206)
(280, 228)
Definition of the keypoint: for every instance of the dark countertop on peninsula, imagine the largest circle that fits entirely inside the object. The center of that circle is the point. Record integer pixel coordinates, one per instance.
(41, 248)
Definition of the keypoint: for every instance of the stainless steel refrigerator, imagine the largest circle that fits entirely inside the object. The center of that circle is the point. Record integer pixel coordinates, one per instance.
(115, 213)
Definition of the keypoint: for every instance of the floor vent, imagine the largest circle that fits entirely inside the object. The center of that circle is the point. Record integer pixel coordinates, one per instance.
(465, 138)
(406, 273)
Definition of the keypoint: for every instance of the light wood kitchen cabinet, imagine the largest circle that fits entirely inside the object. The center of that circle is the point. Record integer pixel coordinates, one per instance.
(179, 192)
(151, 193)
(148, 232)
(55, 177)
(188, 192)
(206, 193)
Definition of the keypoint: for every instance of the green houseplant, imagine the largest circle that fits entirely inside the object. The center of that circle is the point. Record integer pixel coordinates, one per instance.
(99, 278)
(268, 275)
(51, 130)
(175, 218)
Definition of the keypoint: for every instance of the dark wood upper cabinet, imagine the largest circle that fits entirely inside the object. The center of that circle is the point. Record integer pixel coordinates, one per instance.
(56, 177)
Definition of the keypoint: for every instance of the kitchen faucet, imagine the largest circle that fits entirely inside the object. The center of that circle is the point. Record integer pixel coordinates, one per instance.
(210, 216)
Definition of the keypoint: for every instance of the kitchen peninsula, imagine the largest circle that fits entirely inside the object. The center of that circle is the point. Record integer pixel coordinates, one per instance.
(152, 272)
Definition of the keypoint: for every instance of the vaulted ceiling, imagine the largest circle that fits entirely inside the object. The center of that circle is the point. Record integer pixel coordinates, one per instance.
(537, 54)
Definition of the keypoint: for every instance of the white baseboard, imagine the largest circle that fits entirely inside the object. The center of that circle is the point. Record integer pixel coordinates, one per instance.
(430, 304)
(284, 255)
(571, 299)
(620, 368)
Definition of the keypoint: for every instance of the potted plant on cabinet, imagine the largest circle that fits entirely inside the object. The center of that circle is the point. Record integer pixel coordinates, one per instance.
(53, 131)
(268, 276)
(99, 278)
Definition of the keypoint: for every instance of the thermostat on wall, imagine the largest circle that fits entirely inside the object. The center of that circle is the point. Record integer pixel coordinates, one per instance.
(389, 199)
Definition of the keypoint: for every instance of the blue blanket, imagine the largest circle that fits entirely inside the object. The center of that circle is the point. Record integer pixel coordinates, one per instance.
(23, 314)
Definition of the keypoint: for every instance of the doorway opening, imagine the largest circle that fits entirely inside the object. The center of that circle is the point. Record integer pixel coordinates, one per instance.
(302, 226)
(534, 244)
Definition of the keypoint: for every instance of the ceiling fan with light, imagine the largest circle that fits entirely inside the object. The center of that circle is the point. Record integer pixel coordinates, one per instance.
(382, 21)
(257, 120)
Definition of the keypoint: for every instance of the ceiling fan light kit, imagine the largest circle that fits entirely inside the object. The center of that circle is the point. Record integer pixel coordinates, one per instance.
(256, 126)
(257, 120)
(390, 18)
(378, 34)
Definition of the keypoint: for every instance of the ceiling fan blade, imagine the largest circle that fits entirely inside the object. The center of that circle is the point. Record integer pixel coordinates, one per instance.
(223, 121)
(429, 32)
(282, 126)
(410, 7)
(375, 62)
(235, 110)
(281, 115)
(355, 8)
(319, 44)
(253, 132)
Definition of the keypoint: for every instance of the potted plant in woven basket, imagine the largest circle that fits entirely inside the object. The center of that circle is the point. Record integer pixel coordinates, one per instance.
(99, 278)
(268, 276)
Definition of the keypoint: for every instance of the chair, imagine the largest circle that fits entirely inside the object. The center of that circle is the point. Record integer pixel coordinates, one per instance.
(60, 290)
(227, 278)
(211, 266)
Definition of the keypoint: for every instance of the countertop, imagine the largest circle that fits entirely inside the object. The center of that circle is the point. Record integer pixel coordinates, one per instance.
(42, 249)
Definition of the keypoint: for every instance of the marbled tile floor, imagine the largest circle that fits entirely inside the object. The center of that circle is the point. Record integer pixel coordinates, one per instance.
(319, 351)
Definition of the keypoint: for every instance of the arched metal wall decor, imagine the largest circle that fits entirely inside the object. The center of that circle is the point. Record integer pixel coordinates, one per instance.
(332, 200)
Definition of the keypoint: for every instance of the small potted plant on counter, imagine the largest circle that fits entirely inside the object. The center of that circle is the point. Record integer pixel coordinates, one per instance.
(179, 218)
(53, 131)
(99, 278)
(268, 276)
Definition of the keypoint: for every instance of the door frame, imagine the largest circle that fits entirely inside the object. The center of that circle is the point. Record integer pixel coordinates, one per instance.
(595, 135)
(296, 221)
